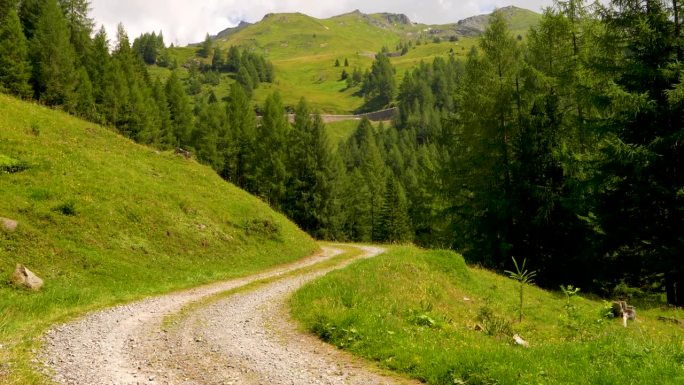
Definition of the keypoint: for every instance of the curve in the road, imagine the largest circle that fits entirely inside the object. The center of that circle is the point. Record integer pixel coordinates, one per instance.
(245, 338)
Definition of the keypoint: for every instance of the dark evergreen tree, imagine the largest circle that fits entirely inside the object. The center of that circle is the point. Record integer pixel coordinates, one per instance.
(15, 69)
(5, 7)
(80, 26)
(180, 110)
(311, 199)
(52, 58)
(379, 85)
(233, 59)
(641, 205)
(209, 134)
(218, 60)
(244, 79)
(167, 136)
(29, 13)
(394, 225)
(206, 48)
(84, 98)
(272, 134)
(240, 165)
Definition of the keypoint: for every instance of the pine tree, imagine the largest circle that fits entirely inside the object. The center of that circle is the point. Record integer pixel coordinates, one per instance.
(84, 99)
(29, 13)
(240, 163)
(272, 134)
(209, 134)
(5, 7)
(80, 26)
(312, 184)
(641, 209)
(363, 155)
(491, 114)
(233, 59)
(206, 48)
(218, 60)
(181, 112)
(394, 225)
(379, 85)
(15, 69)
(167, 137)
(52, 58)
(245, 81)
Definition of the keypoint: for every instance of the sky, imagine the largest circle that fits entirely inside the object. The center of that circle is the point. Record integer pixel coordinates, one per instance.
(184, 22)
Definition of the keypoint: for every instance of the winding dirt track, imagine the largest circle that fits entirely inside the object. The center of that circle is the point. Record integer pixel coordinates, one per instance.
(244, 338)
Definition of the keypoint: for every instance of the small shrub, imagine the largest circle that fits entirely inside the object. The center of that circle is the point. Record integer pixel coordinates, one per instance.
(12, 166)
(493, 324)
(570, 292)
(524, 277)
(420, 318)
(67, 208)
(35, 129)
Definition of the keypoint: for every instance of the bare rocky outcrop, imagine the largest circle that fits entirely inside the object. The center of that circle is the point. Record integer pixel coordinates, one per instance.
(24, 277)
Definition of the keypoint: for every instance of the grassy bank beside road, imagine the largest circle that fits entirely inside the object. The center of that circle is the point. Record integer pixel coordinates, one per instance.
(429, 316)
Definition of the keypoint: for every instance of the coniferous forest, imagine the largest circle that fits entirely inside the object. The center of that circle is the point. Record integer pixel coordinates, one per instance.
(565, 147)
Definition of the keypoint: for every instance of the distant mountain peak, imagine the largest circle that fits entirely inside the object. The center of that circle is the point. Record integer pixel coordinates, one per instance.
(232, 30)
(394, 18)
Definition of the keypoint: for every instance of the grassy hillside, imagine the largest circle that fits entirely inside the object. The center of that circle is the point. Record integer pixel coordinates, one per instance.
(303, 50)
(103, 220)
(416, 312)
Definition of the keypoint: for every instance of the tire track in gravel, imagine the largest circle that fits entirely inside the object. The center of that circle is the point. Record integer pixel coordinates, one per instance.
(246, 338)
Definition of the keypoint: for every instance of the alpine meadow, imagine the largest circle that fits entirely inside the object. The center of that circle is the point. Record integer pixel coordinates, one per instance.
(353, 199)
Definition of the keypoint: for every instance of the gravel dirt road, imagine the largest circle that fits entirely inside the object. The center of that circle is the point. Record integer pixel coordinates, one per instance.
(244, 338)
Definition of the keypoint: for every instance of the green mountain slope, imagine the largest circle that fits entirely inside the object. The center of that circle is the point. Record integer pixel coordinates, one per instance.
(103, 220)
(304, 49)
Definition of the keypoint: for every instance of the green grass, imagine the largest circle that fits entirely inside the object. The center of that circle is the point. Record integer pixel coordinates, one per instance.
(339, 132)
(415, 312)
(104, 221)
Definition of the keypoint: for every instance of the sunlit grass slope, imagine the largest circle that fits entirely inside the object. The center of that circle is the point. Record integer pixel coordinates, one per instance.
(304, 49)
(103, 220)
(416, 312)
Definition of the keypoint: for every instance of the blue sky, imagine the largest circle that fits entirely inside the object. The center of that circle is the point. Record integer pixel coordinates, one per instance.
(185, 21)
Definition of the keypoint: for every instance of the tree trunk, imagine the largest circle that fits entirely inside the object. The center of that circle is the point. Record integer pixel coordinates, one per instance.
(674, 285)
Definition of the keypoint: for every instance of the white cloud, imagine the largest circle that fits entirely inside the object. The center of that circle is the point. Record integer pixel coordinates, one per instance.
(185, 21)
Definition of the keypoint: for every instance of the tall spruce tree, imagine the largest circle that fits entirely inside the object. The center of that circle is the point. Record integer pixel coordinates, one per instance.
(5, 7)
(272, 134)
(312, 184)
(15, 69)
(240, 158)
(394, 225)
(29, 13)
(641, 208)
(52, 57)
(80, 25)
(379, 85)
(181, 112)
